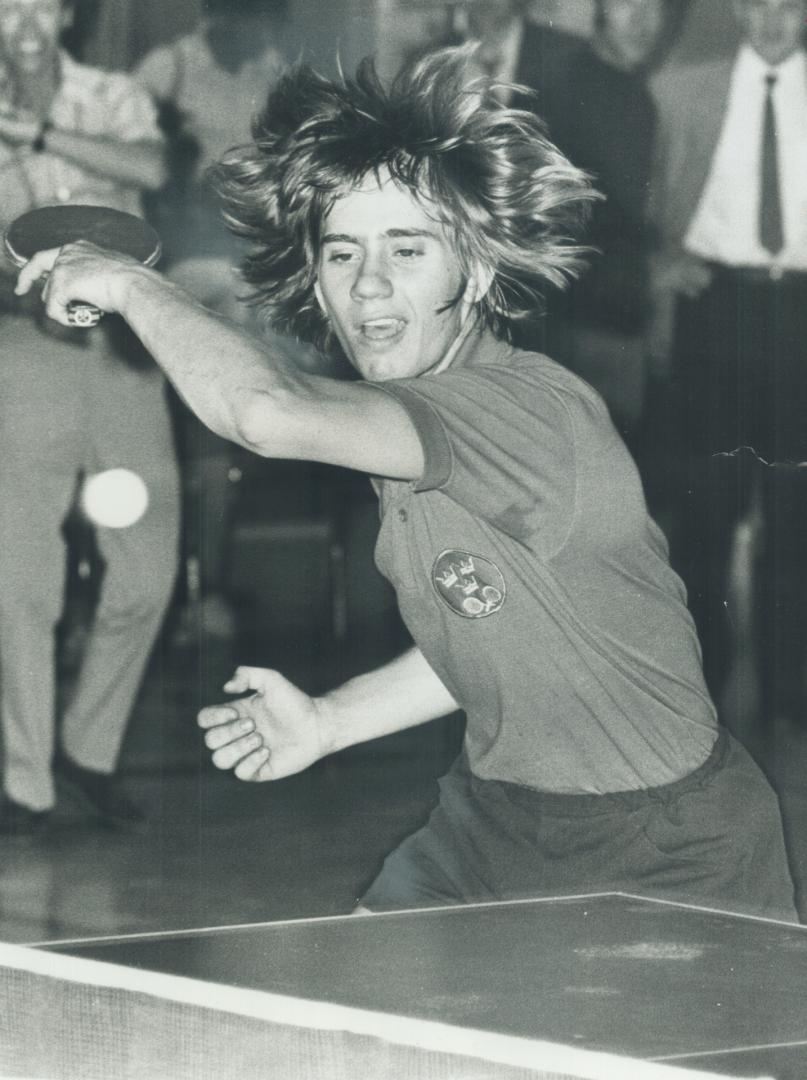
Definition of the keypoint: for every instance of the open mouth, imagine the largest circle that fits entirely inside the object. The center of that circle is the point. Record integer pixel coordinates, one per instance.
(381, 329)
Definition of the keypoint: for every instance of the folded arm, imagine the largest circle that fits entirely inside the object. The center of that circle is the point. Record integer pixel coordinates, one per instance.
(138, 164)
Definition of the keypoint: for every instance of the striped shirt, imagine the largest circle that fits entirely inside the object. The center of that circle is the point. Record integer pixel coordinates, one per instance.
(88, 102)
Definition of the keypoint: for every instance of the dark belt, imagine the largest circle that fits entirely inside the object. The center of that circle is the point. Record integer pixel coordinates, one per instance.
(759, 275)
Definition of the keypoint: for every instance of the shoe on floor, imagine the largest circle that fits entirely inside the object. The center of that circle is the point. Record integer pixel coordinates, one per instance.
(98, 794)
(19, 820)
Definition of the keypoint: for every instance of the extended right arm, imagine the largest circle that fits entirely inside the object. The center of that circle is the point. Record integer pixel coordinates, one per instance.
(241, 389)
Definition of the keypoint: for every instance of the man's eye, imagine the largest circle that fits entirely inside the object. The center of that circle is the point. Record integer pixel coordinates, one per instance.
(408, 253)
(340, 256)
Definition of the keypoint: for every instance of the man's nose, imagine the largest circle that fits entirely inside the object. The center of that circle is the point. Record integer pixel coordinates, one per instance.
(372, 280)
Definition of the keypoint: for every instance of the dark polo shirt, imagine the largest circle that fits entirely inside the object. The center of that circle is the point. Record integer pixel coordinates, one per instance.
(532, 578)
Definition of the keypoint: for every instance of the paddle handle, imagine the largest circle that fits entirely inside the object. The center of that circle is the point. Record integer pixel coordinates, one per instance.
(83, 315)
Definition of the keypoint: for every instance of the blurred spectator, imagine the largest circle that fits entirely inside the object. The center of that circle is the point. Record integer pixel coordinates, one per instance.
(594, 98)
(731, 288)
(208, 84)
(73, 403)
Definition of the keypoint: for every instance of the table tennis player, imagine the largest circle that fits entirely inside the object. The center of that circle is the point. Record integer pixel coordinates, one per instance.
(410, 228)
(73, 405)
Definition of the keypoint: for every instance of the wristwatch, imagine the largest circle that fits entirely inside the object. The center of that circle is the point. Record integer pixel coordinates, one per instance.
(38, 145)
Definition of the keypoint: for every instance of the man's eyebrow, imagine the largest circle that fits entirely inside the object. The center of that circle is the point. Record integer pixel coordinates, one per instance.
(398, 233)
(393, 234)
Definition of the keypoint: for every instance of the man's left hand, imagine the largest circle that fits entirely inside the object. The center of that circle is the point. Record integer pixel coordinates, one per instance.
(79, 272)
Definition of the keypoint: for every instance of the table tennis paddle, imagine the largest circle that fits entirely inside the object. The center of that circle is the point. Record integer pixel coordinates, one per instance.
(54, 226)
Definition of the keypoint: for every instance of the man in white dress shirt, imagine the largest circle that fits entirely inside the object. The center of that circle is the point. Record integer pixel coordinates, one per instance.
(731, 284)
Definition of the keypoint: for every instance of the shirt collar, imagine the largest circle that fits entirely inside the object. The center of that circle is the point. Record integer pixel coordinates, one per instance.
(750, 65)
(480, 346)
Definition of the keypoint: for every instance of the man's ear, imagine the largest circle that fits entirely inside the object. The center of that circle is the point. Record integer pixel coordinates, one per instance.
(479, 281)
(319, 296)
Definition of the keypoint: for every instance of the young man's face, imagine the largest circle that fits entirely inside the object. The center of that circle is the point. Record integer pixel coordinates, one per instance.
(633, 28)
(29, 34)
(387, 273)
(773, 28)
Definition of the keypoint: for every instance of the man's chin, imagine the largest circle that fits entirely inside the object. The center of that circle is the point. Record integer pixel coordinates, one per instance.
(378, 364)
(380, 372)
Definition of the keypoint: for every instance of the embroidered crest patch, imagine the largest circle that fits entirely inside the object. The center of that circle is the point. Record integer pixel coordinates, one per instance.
(469, 584)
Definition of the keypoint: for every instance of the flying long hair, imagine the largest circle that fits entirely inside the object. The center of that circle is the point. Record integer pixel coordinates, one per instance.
(508, 197)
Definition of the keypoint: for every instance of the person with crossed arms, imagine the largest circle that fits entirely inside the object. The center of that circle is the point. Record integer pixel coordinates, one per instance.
(74, 404)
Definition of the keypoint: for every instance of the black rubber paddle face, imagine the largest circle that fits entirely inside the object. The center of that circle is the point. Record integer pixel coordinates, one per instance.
(54, 226)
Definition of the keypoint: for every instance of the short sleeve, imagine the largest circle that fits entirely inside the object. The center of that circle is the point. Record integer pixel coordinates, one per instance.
(500, 442)
(131, 113)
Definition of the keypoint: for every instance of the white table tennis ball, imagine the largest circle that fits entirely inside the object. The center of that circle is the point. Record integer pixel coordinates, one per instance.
(116, 498)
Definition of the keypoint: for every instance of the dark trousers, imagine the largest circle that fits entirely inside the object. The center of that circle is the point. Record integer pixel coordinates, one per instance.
(740, 391)
(714, 837)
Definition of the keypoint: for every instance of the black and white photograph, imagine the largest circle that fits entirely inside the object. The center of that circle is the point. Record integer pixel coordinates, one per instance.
(403, 539)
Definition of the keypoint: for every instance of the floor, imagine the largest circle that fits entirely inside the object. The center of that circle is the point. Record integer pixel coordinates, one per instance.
(217, 851)
(214, 850)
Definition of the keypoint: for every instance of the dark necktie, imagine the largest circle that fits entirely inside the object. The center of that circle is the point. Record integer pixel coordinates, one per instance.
(771, 232)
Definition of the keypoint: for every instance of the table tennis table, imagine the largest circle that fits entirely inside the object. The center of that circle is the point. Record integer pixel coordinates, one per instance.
(604, 985)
